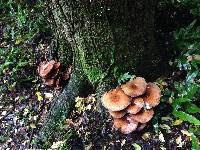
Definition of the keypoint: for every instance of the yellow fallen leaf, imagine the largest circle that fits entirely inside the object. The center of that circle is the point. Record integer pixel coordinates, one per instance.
(39, 96)
(32, 125)
(146, 136)
(177, 122)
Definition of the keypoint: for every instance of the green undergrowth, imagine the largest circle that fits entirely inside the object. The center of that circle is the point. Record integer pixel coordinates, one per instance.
(21, 21)
(186, 94)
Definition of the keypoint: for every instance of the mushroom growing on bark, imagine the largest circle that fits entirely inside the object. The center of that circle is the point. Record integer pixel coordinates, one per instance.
(135, 87)
(125, 125)
(115, 100)
(117, 114)
(131, 104)
(45, 68)
(137, 105)
(144, 116)
(49, 71)
(152, 97)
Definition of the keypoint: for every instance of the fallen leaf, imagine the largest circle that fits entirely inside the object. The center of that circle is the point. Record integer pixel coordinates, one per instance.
(161, 137)
(32, 125)
(146, 136)
(38, 94)
(3, 113)
(188, 134)
(57, 145)
(179, 141)
(177, 122)
(48, 95)
(123, 142)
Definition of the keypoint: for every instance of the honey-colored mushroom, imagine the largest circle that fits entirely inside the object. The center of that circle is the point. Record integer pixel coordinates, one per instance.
(135, 87)
(144, 116)
(152, 97)
(115, 100)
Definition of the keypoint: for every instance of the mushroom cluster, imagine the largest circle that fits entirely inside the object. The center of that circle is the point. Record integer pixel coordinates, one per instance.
(50, 72)
(131, 104)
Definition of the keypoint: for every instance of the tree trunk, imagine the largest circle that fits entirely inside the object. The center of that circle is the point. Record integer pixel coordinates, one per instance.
(106, 39)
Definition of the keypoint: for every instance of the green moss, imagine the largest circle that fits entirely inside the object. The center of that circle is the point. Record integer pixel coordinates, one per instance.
(95, 54)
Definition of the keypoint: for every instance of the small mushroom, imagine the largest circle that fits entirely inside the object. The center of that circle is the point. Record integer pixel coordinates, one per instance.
(144, 116)
(135, 87)
(117, 114)
(115, 100)
(125, 125)
(137, 105)
(45, 68)
(138, 101)
(152, 97)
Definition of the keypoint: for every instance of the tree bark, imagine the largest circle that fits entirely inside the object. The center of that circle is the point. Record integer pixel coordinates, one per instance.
(106, 38)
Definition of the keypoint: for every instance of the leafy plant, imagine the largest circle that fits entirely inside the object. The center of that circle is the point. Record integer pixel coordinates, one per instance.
(187, 45)
(20, 23)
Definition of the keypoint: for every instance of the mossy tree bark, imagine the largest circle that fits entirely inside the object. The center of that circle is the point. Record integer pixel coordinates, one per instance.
(106, 38)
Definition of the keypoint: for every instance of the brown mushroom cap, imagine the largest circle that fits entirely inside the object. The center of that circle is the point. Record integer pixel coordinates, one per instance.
(118, 122)
(135, 87)
(153, 95)
(138, 101)
(133, 109)
(125, 125)
(143, 116)
(45, 67)
(115, 100)
(117, 114)
(136, 106)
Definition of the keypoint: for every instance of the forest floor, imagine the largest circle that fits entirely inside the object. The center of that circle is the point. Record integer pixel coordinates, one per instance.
(23, 108)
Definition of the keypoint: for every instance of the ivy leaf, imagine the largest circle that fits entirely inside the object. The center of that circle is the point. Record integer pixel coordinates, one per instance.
(186, 117)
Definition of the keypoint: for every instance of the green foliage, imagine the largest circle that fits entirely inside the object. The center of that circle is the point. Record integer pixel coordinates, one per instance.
(21, 21)
(187, 45)
(122, 78)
